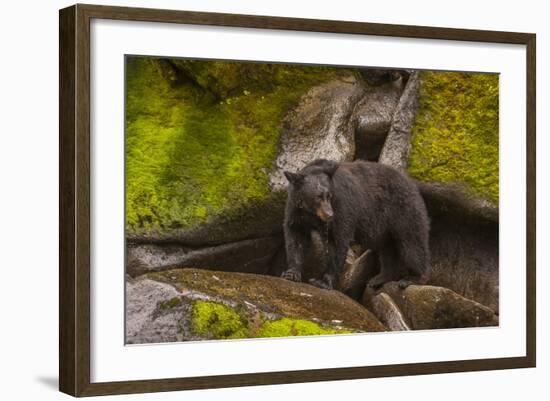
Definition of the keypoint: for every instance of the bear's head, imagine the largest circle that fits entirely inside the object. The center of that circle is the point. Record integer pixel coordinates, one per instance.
(310, 189)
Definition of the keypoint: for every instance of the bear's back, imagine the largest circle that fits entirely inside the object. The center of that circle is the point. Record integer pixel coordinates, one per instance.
(383, 186)
(373, 174)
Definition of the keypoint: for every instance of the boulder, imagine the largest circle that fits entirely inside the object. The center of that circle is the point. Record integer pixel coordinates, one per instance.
(156, 313)
(385, 309)
(380, 76)
(372, 118)
(431, 307)
(191, 304)
(319, 127)
(456, 200)
(397, 147)
(249, 256)
(358, 269)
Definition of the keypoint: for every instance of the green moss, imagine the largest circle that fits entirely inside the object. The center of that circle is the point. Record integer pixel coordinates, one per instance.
(199, 148)
(456, 134)
(217, 321)
(287, 327)
(171, 303)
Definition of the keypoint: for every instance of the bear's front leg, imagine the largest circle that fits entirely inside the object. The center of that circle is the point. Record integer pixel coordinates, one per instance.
(296, 244)
(337, 251)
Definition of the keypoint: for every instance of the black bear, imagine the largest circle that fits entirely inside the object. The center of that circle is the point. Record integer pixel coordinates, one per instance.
(370, 203)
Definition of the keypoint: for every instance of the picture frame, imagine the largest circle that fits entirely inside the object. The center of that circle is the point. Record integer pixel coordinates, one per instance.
(75, 204)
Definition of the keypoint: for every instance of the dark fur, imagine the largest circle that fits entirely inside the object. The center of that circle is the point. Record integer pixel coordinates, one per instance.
(372, 204)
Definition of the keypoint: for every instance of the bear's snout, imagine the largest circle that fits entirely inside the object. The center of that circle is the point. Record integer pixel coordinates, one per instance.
(324, 212)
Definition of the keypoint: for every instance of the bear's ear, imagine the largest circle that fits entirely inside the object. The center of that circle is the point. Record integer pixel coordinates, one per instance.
(329, 167)
(294, 178)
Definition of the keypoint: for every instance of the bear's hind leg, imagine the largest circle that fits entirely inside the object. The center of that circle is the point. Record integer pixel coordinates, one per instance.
(390, 267)
(415, 257)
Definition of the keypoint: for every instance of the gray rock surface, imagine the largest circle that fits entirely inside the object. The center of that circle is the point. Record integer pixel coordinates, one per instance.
(385, 309)
(358, 269)
(319, 127)
(148, 318)
(248, 256)
(397, 148)
(372, 118)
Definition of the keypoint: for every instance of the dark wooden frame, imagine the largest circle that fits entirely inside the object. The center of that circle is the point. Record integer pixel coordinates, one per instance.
(74, 203)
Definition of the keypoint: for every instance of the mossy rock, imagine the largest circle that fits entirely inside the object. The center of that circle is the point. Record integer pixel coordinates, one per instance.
(430, 307)
(272, 298)
(191, 304)
(456, 132)
(286, 327)
(201, 140)
(218, 321)
(229, 79)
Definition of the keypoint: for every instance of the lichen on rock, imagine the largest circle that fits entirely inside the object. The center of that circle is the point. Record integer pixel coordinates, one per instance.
(456, 132)
(214, 320)
(217, 321)
(287, 327)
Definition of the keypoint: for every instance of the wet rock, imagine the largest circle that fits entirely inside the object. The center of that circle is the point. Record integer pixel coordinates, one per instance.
(155, 313)
(397, 148)
(319, 127)
(249, 256)
(372, 118)
(258, 219)
(380, 76)
(385, 309)
(357, 271)
(443, 198)
(190, 304)
(430, 307)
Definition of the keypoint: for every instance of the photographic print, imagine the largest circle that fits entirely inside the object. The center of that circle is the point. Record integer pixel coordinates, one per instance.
(279, 200)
